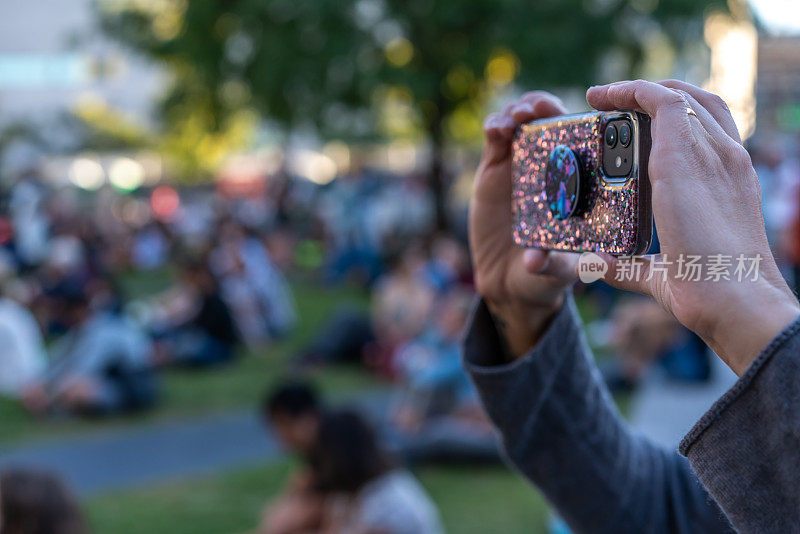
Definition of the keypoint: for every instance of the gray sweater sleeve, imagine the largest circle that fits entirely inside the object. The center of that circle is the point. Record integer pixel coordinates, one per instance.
(746, 448)
(561, 430)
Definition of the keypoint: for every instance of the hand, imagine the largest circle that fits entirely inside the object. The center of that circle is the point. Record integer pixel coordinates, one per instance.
(523, 288)
(706, 201)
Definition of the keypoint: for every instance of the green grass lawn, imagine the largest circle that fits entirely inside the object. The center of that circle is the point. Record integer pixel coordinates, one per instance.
(472, 500)
(188, 394)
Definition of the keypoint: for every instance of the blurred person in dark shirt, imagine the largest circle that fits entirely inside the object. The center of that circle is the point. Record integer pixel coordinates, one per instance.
(36, 502)
(645, 338)
(402, 301)
(203, 332)
(293, 411)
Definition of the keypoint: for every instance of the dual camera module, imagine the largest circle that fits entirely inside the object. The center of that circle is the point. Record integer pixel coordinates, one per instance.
(618, 148)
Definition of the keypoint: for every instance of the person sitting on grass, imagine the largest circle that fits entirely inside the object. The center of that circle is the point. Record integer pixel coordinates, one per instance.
(429, 369)
(198, 330)
(23, 358)
(354, 488)
(101, 366)
(293, 412)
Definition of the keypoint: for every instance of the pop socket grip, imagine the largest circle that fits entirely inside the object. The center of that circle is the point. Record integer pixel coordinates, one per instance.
(563, 182)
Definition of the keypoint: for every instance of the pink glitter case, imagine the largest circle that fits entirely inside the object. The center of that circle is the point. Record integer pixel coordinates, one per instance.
(613, 215)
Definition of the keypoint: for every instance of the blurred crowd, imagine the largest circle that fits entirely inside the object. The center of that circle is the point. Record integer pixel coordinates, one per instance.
(777, 162)
(77, 343)
(77, 339)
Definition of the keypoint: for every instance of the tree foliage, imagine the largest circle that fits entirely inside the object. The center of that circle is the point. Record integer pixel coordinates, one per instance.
(356, 68)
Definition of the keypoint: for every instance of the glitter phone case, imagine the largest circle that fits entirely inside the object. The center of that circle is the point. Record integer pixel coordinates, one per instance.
(582, 209)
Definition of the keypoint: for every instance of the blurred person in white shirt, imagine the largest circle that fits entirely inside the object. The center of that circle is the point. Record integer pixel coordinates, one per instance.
(22, 352)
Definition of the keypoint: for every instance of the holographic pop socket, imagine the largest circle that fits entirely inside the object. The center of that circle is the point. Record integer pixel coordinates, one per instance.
(562, 182)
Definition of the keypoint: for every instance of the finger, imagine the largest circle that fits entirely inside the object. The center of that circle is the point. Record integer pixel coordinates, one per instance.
(640, 275)
(715, 105)
(535, 96)
(499, 127)
(528, 109)
(560, 265)
(704, 117)
(648, 97)
(498, 130)
(629, 274)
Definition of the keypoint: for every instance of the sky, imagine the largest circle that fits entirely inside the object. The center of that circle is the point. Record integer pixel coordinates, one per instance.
(779, 16)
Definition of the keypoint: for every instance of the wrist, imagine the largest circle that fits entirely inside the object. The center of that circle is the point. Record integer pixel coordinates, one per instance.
(747, 324)
(522, 325)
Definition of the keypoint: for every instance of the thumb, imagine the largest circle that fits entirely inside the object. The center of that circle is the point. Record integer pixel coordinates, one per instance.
(634, 273)
(559, 265)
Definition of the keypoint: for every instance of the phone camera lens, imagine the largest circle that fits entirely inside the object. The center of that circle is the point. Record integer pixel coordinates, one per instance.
(611, 135)
(624, 134)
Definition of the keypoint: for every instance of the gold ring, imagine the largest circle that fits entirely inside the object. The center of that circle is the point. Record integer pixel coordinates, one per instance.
(690, 111)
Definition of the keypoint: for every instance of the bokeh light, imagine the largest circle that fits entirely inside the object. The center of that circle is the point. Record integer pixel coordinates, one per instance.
(399, 52)
(87, 174)
(164, 202)
(126, 174)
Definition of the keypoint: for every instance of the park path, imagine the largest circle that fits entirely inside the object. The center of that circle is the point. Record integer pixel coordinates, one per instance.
(158, 452)
(135, 457)
(665, 410)
(140, 456)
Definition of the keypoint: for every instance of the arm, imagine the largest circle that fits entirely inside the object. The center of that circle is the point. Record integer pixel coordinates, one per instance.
(706, 201)
(532, 368)
(561, 430)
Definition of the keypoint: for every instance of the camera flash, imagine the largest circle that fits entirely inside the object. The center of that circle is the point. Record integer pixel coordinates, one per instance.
(618, 162)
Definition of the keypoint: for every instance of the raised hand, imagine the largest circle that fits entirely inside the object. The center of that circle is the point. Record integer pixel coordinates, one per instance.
(706, 202)
(523, 288)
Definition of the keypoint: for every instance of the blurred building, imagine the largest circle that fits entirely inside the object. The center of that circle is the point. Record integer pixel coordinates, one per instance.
(778, 85)
(733, 41)
(54, 58)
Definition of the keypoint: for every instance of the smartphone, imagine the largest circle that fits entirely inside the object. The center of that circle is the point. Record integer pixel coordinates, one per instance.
(581, 185)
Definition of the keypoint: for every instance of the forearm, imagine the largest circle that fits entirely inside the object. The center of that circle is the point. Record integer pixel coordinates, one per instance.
(562, 431)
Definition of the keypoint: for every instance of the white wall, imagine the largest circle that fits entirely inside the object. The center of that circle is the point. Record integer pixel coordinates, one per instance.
(49, 53)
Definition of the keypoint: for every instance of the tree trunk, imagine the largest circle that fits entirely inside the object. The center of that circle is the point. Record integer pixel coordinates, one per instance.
(438, 177)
